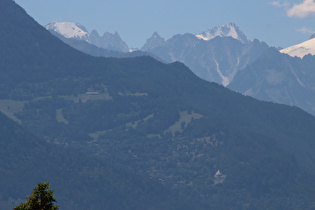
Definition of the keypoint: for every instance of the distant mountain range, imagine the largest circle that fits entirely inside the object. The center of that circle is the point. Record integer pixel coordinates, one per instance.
(215, 55)
(93, 50)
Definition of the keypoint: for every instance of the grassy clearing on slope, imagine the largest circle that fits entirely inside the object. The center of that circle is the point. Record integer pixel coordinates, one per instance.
(84, 97)
(60, 117)
(134, 124)
(132, 94)
(97, 134)
(9, 107)
(184, 119)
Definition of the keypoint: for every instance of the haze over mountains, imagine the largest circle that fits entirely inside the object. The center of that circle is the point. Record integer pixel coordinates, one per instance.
(135, 133)
(226, 56)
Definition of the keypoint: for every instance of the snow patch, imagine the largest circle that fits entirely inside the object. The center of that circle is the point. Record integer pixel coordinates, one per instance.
(133, 49)
(297, 78)
(225, 80)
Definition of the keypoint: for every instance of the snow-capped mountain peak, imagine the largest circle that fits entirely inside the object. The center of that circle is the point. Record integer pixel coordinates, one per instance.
(300, 50)
(228, 30)
(68, 29)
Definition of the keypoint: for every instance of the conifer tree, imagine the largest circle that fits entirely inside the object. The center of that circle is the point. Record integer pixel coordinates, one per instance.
(41, 199)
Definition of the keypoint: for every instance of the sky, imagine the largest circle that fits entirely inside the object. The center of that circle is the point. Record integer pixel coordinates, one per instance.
(278, 23)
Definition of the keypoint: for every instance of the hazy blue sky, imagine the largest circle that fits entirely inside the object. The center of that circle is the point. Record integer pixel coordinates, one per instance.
(278, 23)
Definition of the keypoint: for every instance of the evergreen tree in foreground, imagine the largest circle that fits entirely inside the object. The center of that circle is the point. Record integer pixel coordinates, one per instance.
(41, 199)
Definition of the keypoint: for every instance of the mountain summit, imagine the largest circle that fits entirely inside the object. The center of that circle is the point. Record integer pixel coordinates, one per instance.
(75, 30)
(227, 30)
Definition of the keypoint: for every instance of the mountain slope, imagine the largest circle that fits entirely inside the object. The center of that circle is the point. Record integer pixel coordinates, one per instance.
(26, 160)
(157, 120)
(279, 78)
(80, 182)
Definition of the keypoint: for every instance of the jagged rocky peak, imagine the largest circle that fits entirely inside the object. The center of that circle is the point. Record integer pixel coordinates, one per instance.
(68, 29)
(156, 36)
(116, 34)
(227, 30)
(112, 36)
(112, 42)
(154, 41)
